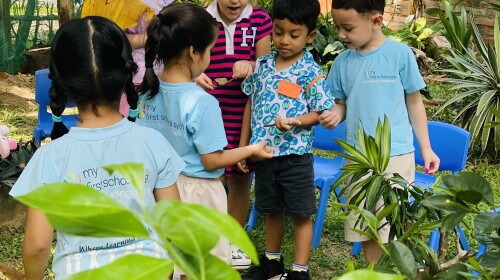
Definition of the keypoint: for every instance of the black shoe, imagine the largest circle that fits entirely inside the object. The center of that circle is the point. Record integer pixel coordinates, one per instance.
(267, 269)
(298, 275)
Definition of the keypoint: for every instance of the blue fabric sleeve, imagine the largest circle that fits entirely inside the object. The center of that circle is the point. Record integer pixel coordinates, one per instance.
(334, 79)
(411, 79)
(208, 128)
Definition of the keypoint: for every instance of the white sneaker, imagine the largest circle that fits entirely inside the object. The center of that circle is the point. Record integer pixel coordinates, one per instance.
(239, 260)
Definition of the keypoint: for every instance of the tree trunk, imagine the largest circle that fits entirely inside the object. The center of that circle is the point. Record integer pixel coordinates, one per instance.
(5, 38)
(22, 34)
(65, 10)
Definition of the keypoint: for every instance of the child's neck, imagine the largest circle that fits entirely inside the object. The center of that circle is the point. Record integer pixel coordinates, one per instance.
(176, 74)
(282, 62)
(104, 117)
(378, 39)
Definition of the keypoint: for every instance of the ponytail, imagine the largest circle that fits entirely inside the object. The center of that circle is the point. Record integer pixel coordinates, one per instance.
(58, 102)
(150, 81)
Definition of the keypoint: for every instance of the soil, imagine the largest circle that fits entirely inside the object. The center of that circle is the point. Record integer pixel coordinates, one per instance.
(17, 91)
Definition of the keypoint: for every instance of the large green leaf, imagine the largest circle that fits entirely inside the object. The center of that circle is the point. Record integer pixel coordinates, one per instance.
(486, 222)
(203, 219)
(80, 210)
(452, 220)
(445, 202)
(131, 267)
(369, 274)
(373, 192)
(453, 273)
(403, 259)
(470, 187)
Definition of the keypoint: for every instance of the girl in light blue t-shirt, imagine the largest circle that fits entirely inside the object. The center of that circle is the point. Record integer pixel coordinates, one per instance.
(91, 65)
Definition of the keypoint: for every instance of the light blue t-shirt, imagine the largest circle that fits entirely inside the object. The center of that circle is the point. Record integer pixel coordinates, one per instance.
(78, 157)
(374, 83)
(268, 103)
(190, 119)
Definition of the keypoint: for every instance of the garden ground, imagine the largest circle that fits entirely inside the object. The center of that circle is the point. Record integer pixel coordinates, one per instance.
(18, 111)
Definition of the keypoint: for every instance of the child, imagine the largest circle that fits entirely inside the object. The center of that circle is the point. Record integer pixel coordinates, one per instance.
(243, 36)
(93, 75)
(137, 37)
(288, 92)
(377, 76)
(181, 36)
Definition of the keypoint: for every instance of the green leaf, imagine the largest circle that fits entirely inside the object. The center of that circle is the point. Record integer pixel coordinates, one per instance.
(386, 211)
(80, 210)
(372, 195)
(209, 267)
(470, 187)
(385, 148)
(131, 267)
(486, 222)
(452, 273)
(452, 220)
(204, 220)
(403, 259)
(369, 274)
(132, 172)
(444, 202)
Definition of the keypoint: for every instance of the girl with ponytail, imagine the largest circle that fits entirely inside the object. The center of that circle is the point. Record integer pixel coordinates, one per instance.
(91, 65)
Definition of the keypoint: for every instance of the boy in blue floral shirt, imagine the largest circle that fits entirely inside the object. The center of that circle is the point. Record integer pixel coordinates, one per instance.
(287, 92)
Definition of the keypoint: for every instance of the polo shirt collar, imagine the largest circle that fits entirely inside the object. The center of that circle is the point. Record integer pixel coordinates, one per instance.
(212, 9)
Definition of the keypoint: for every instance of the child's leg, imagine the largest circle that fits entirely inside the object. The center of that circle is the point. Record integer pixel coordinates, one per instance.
(371, 251)
(238, 199)
(275, 229)
(303, 239)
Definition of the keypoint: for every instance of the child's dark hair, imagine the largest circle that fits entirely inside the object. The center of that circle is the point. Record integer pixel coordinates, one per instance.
(177, 27)
(304, 12)
(91, 65)
(361, 6)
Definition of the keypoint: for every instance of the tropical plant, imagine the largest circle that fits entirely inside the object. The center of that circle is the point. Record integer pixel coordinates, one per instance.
(457, 29)
(186, 231)
(326, 45)
(411, 212)
(476, 76)
(13, 165)
(413, 33)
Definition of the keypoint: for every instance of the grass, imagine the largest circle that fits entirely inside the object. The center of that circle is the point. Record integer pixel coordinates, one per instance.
(328, 260)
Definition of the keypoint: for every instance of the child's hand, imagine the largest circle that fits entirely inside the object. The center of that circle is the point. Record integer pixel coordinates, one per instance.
(242, 69)
(431, 161)
(261, 151)
(330, 119)
(204, 82)
(286, 124)
(242, 166)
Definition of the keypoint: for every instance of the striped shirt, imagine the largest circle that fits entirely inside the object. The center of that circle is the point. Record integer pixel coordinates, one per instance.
(235, 42)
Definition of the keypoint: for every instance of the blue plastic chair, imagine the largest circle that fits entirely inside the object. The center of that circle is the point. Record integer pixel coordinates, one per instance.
(451, 144)
(45, 123)
(326, 171)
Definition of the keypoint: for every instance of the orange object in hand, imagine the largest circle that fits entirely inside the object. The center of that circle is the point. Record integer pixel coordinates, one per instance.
(289, 89)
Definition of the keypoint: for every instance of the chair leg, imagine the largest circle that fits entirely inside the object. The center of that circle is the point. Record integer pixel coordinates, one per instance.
(320, 216)
(252, 219)
(356, 248)
(434, 240)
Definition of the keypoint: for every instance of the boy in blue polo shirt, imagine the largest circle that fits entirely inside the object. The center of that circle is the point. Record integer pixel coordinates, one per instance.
(376, 76)
(287, 92)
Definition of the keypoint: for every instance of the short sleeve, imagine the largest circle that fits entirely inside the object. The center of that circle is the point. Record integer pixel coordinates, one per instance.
(34, 175)
(320, 96)
(207, 128)
(265, 24)
(169, 163)
(411, 79)
(334, 79)
(248, 85)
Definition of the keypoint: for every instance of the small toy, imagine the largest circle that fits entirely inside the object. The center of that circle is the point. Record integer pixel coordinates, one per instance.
(6, 144)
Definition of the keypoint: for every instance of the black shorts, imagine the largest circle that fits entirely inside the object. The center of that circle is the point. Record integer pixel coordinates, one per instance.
(286, 182)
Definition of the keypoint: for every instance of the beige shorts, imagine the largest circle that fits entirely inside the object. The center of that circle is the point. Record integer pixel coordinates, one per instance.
(404, 165)
(210, 193)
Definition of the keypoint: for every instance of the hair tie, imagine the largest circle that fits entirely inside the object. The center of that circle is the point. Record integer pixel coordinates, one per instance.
(162, 18)
(132, 113)
(56, 118)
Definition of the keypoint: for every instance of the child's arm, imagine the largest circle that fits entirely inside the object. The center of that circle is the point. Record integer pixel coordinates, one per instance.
(330, 119)
(224, 158)
(246, 133)
(171, 192)
(137, 40)
(204, 82)
(244, 68)
(418, 119)
(307, 120)
(38, 238)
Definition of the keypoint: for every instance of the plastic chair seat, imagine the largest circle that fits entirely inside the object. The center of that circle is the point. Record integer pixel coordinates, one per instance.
(326, 170)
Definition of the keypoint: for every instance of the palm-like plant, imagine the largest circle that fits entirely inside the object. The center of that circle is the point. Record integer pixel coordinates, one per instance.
(476, 76)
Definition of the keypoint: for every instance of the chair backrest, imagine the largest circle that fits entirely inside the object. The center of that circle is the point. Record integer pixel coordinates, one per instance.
(42, 86)
(323, 138)
(449, 142)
